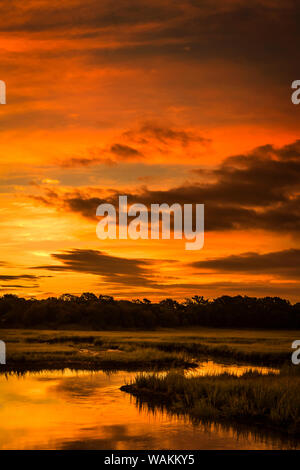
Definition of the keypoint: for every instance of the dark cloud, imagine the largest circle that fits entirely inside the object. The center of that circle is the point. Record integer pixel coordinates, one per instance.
(259, 190)
(78, 161)
(263, 32)
(85, 206)
(282, 264)
(92, 156)
(112, 269)
(163, 134)
(125, 151)
(73, 15)
(149, 134)
(217, 217)
(18, 286)
(98, 156)
(256, 44)
(260, 288)
(265, 176)
(85, 161)
(21, 276)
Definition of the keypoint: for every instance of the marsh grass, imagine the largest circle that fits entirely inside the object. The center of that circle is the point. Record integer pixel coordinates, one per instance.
(261, 347)
(143, 349)
(271, 401)
(40, 355)
(254, 355)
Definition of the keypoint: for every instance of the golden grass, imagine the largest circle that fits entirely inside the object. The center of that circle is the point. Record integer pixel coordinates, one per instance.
(263, 347)
(272, 401)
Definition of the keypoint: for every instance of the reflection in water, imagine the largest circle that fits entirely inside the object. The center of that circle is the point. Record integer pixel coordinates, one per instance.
(86, 410)
(213, 368)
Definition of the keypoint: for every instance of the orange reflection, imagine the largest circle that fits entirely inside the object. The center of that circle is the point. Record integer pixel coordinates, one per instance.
(84, 410)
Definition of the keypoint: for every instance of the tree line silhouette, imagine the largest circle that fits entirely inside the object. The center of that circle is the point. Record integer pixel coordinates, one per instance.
(104, 312)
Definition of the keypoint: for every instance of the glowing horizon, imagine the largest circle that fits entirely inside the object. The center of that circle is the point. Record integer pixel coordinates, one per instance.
(165, 102)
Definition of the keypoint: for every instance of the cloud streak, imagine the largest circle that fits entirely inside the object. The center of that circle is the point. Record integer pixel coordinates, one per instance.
(259, 190)
(283, 264)
(112, 269)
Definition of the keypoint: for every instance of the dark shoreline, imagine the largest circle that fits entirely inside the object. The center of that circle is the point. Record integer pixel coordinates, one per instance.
(37, 366)
(161, 400)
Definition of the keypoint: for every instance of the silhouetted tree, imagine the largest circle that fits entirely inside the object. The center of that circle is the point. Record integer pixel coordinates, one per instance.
(104, 312)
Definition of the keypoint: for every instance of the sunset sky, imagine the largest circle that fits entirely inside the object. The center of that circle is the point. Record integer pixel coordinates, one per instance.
(165, 101)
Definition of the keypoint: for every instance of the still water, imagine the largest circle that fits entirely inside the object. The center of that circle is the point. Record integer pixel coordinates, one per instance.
(87, 410)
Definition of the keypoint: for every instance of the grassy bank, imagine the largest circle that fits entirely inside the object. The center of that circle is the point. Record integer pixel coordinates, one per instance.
(269, 401)
(34, 353)
(88, 349)
(138, 360)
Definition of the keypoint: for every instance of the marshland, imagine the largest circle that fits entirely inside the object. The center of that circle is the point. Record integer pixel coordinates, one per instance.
(185, 387)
